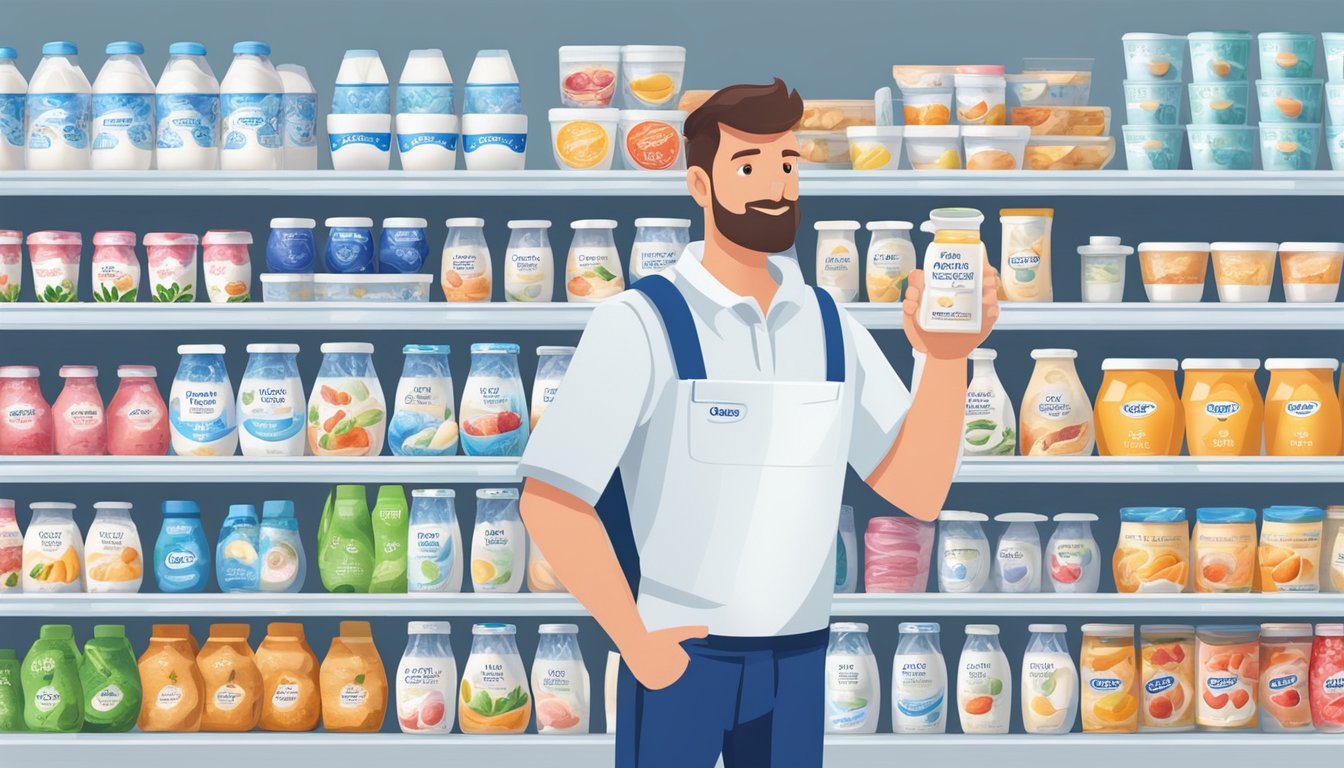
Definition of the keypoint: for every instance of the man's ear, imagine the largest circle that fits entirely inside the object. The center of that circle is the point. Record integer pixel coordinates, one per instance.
(697, 183)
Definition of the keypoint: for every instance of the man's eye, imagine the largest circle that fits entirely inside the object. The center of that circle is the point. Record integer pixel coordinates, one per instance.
(744, 170)
(788, 167)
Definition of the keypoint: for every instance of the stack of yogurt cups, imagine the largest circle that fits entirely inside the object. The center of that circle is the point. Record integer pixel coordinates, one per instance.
(1290, 101)
(1153, 91)
(359, 128)
(587, 129)
(494, 128)
(1334, 97)
(427, 127)
(1220, 138)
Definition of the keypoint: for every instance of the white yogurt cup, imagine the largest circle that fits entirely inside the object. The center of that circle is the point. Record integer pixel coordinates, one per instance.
(427, 142)
(1243, 272)
(1174, 272)
(651, 75)
(583, 139)
(360, 142)
(494, 142)
(1103, 269)
(1311, 271)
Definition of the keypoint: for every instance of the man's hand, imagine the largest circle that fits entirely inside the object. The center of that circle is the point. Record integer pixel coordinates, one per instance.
(950, 346)
(656, 659)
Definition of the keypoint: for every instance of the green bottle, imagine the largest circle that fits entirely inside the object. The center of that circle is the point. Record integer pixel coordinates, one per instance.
(391, 526)
(345, 541)
(11, 692)
(53, 696)
(110, 678)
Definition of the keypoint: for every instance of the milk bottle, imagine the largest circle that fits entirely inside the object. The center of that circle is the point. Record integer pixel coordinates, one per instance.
(202, 417)
(560, 685)
(298, 109)
(58, 107)
(187, 104)
(249, 101)
(853, 700)
(498, 543)
(123, 111)
(13, 92)
(426, 684)
(919, 681)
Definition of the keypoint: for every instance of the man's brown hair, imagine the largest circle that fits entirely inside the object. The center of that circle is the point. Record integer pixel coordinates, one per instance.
(760, 109)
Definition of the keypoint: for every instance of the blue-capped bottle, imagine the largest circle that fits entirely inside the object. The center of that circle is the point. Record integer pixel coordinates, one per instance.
(1153, 551)
(13, 93)
(284, 566)
(186, 106)
(237, 565)
(59, 110)
(271, 406)
(494, 417)
(202, 418)
(250, 111)
(123, 111)
(350, 245)
(181, 554)
(424, 422)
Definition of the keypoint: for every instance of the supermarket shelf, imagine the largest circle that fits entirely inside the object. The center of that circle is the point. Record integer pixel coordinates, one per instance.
(333, 316)
(336, 750)
(241, 469)
(1190, 606)
(1154, 469)
(842, 183)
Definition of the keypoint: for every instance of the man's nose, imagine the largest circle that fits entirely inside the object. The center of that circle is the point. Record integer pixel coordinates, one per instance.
(776, 190)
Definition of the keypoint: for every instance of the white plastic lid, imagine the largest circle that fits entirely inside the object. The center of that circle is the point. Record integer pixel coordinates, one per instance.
(983, 353)
(1075, 517)
(1109, 630)
(1243, 246)
(112, 237)
(1204, 247)
(347, 347)
(592, 52)
(112, 505)
(287, 277)
(1285, 630)
(839, 226)
(272, 349)
(1011, 132)
(959, 516)
(932, 131)
(293, 223)
(1150, 36)
(593, 224)
(434, 493)
(644, 54)
(1320, 247)
(982, 629)
(680, 223)
(78, 371)
(555, 351)
(566, 114)
(53, 505)
(1054, 354)
(849, 626)
(19, 372)
(1301, 363)
(405, 223)
(1053, 629)
(349, 221)
(1139, 364)
(137, 372)
(558, 629)
(885, 226)
(294, 78)
(527, 224)
(918, 627)
(201, 349)
(429, 628)
(1020, 517)
(1220, 364)
(1104, 245)
(1330, 630)
(467, 221)
(171, 238)
(227, 237)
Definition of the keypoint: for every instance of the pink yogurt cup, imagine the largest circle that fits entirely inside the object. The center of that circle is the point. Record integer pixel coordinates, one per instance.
(897, 553)
(172, 266)
(11, 265)
(55, 259)
(228, 265)
(116, 269)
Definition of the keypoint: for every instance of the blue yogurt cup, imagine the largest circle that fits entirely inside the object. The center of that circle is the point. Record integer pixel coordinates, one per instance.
(1219, 57)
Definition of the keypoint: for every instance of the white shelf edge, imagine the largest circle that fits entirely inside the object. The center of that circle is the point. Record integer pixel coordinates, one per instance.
(1152, 469)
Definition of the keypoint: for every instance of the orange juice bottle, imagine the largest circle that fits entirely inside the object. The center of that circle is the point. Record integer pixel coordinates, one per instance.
(232, 680)
(1109, 676)
(1137, 411)
(171, 681)
(354, 684)
(1224, 411)
(1167, 675)
(290, 692)
(1302, 412)
(1223, 549)
(1229, 677)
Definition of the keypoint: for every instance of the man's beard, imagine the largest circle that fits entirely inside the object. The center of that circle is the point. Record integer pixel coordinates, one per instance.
(756, 230)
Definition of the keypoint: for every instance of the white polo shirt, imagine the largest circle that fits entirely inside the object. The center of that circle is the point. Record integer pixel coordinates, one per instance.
(622, 379)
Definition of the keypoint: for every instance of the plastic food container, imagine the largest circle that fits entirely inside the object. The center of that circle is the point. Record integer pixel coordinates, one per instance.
(829, 149)
(874, 147)
(286, 286)
(933, 147)
(1068, 82)
(927, 106)
(588, 74)
(1219, 103)
(1289, 146)
(922, 76)
(651, 75)
(1153, 148)
(1334, 63)
(1243, 272)
(1138, 410)
(1222, 147)
(1334, 103)
(1153, 56)
(1224, 410)
(651, 139)
(1311, 271)
(1174, 272)
(1148, 103)
(1102, 268)
(980, 99)
(994, 147)
(1287, 55)
(836, 114)
(1069, 153)
(584, 139)
(427, 142)
(390, 288)
(1152, 553)
(1334, 144)
(1064, 121)
(1290, 101)
(1217, 57)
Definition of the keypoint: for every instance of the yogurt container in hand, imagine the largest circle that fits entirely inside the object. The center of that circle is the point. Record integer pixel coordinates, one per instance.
(116, 269)
(172, 266)
(228, 266)
(55, 260)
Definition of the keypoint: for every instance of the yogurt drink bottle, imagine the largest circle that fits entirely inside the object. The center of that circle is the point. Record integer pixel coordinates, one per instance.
(846, 553)
(1049, 681)
(838, 259)
(181, 555)
(552, 364)
(466, 274)
(11, 549)
(499, 542)
(237, 566)
(964, 563)
(391, 530)
(53, 550)
(658, 245)
(1017, 560)
(919, 681)
(424, 421)
(26, 424)
(78, 416)
(187, 108)
(853, 698)
(271, 406)
(112, 554)
(137, 417)
(529, 263)
(560, 682)
(494, 692)
(361, 85)
(426, 684)
(123, 111)
(110, 681)
(250, 102)
(990, 427)
(59, 108)
(11, 258)
(298, 107)
(1071, 557)
(13, 93)
(201, 411)
(434, 542)
(984, 682)
(284, 566)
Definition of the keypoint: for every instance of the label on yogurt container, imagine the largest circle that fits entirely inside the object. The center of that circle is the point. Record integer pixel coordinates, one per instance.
(514, 142)
(200, 413)
(11, 118)
(58, 118)
(409, 141)
(380, 141)
(251, 118)
(300, 112)
(186, 119)
(119, 117)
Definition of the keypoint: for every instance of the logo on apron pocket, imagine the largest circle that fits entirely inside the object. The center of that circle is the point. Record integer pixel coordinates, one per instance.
(725, 413)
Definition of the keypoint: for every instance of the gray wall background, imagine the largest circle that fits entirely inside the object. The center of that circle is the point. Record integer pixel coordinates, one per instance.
(842, 48)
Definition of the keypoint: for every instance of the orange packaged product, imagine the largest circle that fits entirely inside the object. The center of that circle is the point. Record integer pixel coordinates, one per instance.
(1302, 412)
(1109, 676)
(1137, 410)
(1285, 660)
(354, 683)
(1224, 411)
(1167, 677)
(1153, 552)
(1229, 677)
(290, 691)
(232, 682)
(1223, 549)
(1290, 549)
(171, 682)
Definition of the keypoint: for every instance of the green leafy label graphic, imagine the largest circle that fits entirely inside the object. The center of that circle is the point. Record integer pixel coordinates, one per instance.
(482, 704)
(603, 273)
(175, 294)
(9, 294)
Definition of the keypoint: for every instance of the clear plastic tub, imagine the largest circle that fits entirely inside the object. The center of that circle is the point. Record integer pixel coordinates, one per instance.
(1148, 103)
(1064, 121)
(1289, 146)
(1334, 144)
(1174, 272)
(652, 75)
(1217, 57)
(927, 106)
(1153, 148)
(922, 76)
(1287, 55)
(588, 74)
(994, 147)
(980, 99)
(1311, 271)
(933, 147)
(1243, 272)
(836, 114)
(1068, 82)
(1334, 55)
(1102, 269)
(1334, 103)
(1222, 147)
(829, 149)
(1290, 101)
(282, 287)
(1219, 103)
(379, 288)
(1154, 56)
(1069, 153)
(584, 139)
(874, 147)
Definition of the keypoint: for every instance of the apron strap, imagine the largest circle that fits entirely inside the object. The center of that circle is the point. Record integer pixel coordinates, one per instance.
(835, 339)
(680, 326)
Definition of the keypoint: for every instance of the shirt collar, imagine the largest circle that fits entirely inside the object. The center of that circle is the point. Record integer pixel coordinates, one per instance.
(783, 269)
